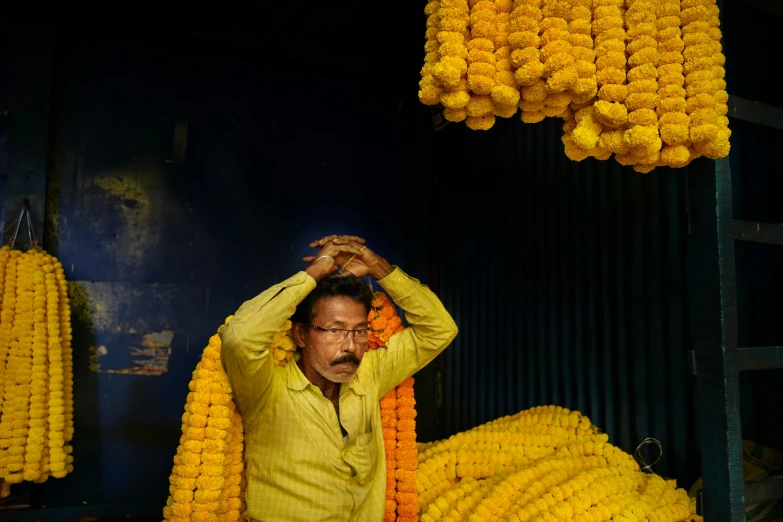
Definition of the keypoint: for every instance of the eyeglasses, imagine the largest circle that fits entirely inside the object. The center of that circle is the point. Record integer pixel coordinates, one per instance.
(335, 335)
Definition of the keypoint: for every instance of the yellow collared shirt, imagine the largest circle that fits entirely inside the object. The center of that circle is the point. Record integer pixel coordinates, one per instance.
(299, 467)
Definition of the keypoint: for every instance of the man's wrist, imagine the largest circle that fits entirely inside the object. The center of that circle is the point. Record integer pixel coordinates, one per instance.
(381, 270)
(320, 267)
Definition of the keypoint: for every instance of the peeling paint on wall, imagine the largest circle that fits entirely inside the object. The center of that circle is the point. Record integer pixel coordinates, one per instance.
(152, 358)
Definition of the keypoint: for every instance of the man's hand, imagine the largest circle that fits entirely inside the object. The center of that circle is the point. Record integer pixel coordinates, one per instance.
(347, 253)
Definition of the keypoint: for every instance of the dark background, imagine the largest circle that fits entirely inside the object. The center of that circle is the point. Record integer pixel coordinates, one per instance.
(179, 158)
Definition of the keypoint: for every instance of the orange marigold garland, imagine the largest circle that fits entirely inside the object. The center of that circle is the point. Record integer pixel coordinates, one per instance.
(389, 422)
(407, 463)
(397, 416)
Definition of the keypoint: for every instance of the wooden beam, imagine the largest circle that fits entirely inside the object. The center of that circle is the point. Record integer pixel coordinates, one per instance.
(760, 358)
(755, 112)
(771, 6)
(767, 233)
(763, 490)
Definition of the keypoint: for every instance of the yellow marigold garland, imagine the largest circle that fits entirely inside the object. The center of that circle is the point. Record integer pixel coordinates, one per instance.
(652, 71)
(556, 54)
(581, 40)
(525, 58)
(481, 64)
(36, 373)
(451, 68)
(545, 463)
(429, 90)
(505, 94)
(642, 137)
(207, 480)
(699, 86)
(719, 146)
(673, 119)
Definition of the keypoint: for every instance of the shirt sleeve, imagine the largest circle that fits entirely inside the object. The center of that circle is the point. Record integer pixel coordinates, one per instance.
(431, 329)
(245, 339)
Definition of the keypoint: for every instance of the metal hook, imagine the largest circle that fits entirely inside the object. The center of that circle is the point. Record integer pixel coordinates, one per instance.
(640, 459)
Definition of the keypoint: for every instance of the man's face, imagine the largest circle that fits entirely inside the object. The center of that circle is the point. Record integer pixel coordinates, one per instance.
(334, 356)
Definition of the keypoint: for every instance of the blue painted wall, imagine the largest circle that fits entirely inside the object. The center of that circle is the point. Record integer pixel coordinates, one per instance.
(153, 243)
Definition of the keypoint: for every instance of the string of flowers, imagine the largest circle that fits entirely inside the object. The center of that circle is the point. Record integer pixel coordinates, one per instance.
(207, 478)
(7, 349)
(397, 417)
(556, 54)
(718, 147)
(407, 463)
(609, 30)
(16, 413)
(66, 395)
(699, 86)
(451, 69)
(642, 137)
(525, 58)
(481, 64)
(389, 423)
(672, 117)
(505, 94)
(580, 29)
(36, 420)
(429, 90)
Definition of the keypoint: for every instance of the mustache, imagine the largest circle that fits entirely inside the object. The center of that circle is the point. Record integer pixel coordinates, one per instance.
(347, 358)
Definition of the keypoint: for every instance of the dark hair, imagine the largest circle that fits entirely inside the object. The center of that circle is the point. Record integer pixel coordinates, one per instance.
(333, 285)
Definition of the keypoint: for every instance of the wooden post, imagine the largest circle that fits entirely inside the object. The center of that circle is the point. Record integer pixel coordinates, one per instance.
(713, 303)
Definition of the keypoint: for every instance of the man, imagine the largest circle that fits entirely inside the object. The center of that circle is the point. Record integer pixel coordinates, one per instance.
(314, 441)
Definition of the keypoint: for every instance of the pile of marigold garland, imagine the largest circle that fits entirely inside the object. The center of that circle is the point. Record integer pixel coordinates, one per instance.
(642, 80)
(543, 464)
(207, 481)
(36, 369)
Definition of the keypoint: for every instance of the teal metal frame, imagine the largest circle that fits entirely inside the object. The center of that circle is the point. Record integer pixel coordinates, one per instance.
(718, 360)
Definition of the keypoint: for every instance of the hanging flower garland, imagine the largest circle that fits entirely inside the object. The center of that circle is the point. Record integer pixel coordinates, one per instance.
(389, 423)
(505, 94)
(398, 415)
(556, 54)
(36, 373)
(673, 119)
(481, 64)
(642, 137)
(718, 147)
(580, 37)
(452, 66)
(699, 86)
(525, 58)
(429, 90)
(208, 476)
(652, 71)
